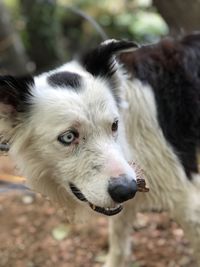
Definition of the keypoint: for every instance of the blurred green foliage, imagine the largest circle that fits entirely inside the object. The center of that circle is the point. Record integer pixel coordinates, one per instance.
(41, 32)
(133, 19)
(128, 19)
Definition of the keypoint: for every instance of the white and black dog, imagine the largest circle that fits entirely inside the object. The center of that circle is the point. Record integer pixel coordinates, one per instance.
(73, 132)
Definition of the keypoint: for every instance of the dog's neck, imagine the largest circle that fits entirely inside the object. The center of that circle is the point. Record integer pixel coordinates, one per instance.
(147, 144)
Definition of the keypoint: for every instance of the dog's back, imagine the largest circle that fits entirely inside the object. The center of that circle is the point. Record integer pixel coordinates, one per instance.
(172, 69)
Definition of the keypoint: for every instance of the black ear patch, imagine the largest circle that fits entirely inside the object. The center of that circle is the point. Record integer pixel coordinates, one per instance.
(65, 79)
(14, 91)
(100, 61)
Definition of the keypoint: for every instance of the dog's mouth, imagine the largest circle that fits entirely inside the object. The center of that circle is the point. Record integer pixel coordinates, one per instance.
(105, 211)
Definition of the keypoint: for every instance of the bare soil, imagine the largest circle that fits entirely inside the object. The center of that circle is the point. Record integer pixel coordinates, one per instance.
(30, 229)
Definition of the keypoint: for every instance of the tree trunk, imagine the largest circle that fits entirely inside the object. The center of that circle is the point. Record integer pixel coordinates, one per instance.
(180, 15)
(43, 35)
(12, 55)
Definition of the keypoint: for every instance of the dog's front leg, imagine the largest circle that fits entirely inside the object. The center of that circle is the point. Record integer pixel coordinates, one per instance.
(120, 228)
(188, 216)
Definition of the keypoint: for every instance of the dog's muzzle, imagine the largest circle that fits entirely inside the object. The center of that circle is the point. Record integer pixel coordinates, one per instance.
(120, 189)
(105, 211)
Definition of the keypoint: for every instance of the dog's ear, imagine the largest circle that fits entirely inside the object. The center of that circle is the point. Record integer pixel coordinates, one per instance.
(101, 60)
(14, 93)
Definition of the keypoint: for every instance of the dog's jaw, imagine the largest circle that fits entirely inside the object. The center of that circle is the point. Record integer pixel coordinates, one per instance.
(109, 211)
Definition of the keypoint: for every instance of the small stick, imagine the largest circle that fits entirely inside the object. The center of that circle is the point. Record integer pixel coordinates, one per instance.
(141, 183)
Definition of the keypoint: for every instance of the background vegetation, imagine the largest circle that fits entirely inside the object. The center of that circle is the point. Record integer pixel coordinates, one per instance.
(36, 35)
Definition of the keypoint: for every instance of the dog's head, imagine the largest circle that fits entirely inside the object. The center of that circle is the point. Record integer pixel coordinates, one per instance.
(66, 133)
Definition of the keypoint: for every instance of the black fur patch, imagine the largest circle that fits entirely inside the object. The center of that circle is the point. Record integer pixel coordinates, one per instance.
(15, 91)
(100, 62)
(65, 79)
(172, 68)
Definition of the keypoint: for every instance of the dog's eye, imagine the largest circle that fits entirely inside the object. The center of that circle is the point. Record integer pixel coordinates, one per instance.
(68, 137)
(115, 126)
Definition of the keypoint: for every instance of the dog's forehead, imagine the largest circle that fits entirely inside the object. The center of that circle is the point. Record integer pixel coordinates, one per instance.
(65, 95)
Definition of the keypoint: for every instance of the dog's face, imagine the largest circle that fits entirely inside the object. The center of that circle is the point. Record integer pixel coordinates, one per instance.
(66, 133)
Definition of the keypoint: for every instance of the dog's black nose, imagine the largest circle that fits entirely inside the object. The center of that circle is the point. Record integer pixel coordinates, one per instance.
(122, 188)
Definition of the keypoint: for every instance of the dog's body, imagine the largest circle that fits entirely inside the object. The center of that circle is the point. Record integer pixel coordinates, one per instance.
(64, 134)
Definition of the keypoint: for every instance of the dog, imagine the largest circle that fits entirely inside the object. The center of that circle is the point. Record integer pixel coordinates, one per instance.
(74, 131)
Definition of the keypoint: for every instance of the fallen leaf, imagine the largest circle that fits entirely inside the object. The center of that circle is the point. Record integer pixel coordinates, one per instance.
(60, 232)
(101, 257)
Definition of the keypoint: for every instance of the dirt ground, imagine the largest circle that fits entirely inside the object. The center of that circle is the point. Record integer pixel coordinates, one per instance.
(34, 233)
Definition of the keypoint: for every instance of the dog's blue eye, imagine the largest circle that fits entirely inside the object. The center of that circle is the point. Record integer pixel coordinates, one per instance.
(115, 126)
(68, 137)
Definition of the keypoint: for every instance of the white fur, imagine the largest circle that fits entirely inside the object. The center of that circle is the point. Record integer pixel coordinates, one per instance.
(50, 166)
